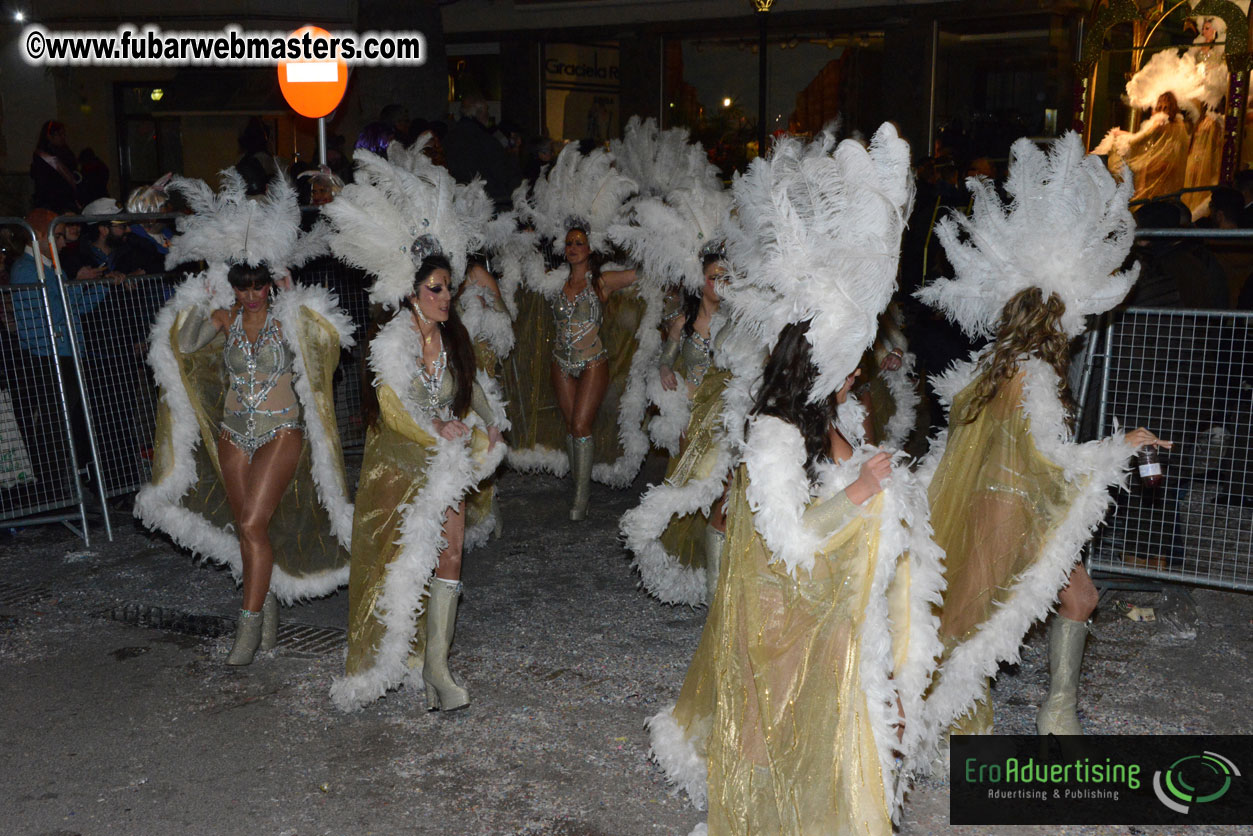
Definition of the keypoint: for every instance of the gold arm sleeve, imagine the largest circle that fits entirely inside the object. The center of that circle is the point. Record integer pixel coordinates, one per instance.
(397, 418)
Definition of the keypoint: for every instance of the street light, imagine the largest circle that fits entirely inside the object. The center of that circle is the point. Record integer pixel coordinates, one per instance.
(761, 8)
(726, 102)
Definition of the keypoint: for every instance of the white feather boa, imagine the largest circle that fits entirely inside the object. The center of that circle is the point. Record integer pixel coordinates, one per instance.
(477, 308)
(159, 505)
(1093, 467)
(450, 474)
(903, 388)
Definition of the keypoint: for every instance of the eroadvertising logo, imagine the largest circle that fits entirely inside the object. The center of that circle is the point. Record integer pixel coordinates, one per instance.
(1211, 772)
(1123, 779)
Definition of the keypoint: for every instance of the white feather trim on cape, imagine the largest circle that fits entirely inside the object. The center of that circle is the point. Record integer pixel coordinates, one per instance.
(1093, 467)
(903, 388)
(778, 491)
(159, 505)
(671, 750)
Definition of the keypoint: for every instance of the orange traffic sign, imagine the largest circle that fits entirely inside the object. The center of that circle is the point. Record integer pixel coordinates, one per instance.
(313, 86)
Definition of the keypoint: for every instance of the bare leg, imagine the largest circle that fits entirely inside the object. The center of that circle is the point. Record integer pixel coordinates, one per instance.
(565, 387)
(1078, 599)
(253, 491)
(590, 392)
(449, 568)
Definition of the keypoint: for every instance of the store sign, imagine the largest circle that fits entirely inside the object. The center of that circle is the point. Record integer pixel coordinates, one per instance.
(578, 66)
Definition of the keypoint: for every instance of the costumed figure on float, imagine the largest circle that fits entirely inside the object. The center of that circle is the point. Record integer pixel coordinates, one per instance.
(1157, 153)
(248, 470)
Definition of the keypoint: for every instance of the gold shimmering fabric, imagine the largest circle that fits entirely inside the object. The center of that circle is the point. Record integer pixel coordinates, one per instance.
(774, 696)
(300, 530)
(995, 501)
(1157, 155)
(1205, 157)
(684, 537)
(532, 405)
(393, 471)
(479, 503)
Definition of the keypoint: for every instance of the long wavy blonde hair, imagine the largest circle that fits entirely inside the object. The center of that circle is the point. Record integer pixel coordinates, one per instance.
(1030, 326)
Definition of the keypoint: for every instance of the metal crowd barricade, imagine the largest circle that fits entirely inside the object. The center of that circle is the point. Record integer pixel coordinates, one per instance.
(350, 286)
(39, 463)
(108, 334)
(1188, 376)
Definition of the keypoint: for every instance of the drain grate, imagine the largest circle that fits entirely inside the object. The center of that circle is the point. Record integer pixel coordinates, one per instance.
(21, 594)
(300, 638)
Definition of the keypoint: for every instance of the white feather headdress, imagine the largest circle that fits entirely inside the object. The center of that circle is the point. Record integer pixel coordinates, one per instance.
(1188, 78)
(576, 187)
(228, 228)
(667, 236)
(1066, 230)
(388, 217)
(662, 161)
(815, 235)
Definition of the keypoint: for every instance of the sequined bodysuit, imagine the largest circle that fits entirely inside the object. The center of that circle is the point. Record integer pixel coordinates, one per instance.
(260, 400)
(697, 355)
(434, 391)
(578, 342)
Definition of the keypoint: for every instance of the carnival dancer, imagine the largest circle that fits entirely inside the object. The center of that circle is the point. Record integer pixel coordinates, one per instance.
(1013, 497)
(434, 436)
(820, 632)
(597, 354)
(248, 470)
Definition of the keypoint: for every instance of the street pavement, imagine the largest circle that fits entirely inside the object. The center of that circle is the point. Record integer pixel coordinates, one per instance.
(122, 718)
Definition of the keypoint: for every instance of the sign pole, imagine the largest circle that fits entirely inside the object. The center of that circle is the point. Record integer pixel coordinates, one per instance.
(321, 140)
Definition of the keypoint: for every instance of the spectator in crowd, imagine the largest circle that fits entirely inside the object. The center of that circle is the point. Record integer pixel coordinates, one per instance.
(1226, 208)
(95, 177)
(1243, 182)
(147, 243)
(1175, 271)
(52, 167)
(472, 150)
(538, 156)
(72, 254)
(434, 147)
(375, 137)
(104, 246)
(336, 159)
(42, 353)
(396, 117)
(256, 165)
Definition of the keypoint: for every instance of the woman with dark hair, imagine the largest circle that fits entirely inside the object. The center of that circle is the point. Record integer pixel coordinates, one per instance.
(248, 469)
(816, 641)
(580, 367)
(434, 432)
(52, 167)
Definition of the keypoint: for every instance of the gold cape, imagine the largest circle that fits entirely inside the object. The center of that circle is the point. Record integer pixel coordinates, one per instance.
(785, 722)
(666, 530)
(1013, 502)
(311, 527)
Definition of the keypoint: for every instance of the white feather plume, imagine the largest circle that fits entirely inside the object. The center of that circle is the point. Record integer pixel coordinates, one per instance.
(227, 227)
(587, 187)
(662, 161)
(815, 235)
(1183, 75)
(376, 219)
(1066, 230)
